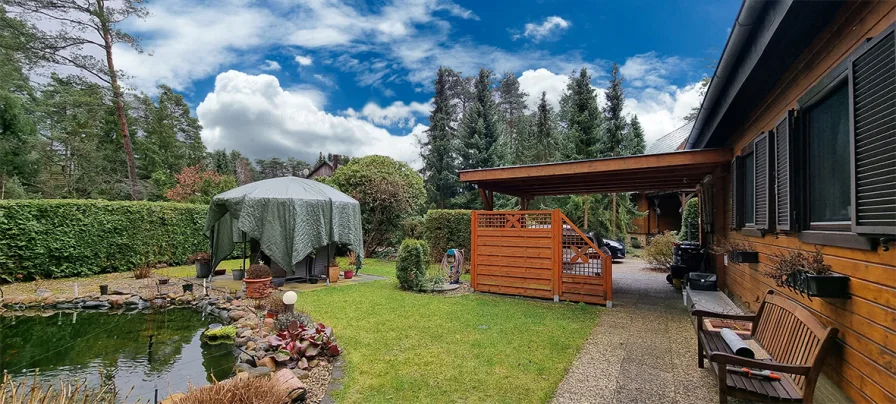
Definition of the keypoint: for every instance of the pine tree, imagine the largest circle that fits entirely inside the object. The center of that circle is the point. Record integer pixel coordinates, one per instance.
(437, 151)
(615, 122)
(480, 127)
(512, 106)
(634, 138)
(582, 116)
(542, 146)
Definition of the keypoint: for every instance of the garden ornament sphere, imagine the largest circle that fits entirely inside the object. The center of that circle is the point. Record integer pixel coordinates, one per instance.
(290, 297)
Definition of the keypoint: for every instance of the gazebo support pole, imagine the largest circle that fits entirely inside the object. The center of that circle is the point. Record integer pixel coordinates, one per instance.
(244, 251)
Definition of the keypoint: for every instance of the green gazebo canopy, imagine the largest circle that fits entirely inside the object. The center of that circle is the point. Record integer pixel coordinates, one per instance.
(290, 217)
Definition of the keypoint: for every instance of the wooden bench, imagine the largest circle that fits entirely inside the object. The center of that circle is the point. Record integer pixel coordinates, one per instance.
(796, 344)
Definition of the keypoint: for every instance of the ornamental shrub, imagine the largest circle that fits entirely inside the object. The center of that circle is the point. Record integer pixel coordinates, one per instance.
(444, 229)
(658, 252)
(389, 191)
(690, 221)
(65, 238)
(413, 260)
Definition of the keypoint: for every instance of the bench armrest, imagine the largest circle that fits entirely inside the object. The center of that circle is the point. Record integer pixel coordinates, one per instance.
(729, 359)
(724, 316)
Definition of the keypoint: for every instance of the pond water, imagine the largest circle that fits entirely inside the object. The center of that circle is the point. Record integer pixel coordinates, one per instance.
(102, 348)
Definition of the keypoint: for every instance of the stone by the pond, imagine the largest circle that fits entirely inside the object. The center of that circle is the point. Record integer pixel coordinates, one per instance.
(301, 374)
(133, 301)
(251, 345)
(120, 292)
(241, 341)
(242, 367)
(116, 301)
(246, 358)
(44, 292)
(66, 306)
(267, 362)
(95, 305)
(237, 315)
(214, 326)
(259, 371)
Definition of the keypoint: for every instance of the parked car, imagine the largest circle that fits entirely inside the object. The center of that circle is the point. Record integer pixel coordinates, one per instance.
(615, 249)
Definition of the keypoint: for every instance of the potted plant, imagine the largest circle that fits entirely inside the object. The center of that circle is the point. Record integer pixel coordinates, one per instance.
(351, 265)
(738, 252)
(258, 281)
(203, 261)
(806, 273)
(333, 270)
(187, 287)
(314, 279)
(238, 274)
(104, 289)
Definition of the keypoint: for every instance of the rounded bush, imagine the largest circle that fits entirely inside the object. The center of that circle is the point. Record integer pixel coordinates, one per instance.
(413, 259)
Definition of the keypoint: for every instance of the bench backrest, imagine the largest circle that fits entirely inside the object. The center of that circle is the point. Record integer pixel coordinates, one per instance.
(792, 335)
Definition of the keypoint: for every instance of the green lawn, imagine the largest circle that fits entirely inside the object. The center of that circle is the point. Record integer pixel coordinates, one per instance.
(413, 348)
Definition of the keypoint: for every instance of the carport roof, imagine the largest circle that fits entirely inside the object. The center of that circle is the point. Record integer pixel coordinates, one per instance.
(641, 173)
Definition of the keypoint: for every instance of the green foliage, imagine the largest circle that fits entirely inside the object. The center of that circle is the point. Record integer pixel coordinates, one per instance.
(658, 252)
(389, 191)
(64, 238)
(413, 261)
(171, 137)
(444, 229)
(542, 146)
(480, 127)
(690, 221)
(220, 335)
(437, 151)
(412, 227)
(634, 142)
(582, 116)
(614, 133)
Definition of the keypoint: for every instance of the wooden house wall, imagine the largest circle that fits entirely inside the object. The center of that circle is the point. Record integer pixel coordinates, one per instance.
(864, 363)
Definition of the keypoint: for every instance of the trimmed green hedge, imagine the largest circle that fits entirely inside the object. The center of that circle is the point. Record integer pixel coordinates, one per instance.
(444, 229)
(65, 238)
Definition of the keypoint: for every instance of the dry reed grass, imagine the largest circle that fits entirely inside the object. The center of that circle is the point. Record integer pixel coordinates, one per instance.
(260, 390)
(34, 392)
(143, 272)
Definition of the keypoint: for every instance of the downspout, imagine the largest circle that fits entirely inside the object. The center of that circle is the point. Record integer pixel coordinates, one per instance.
(744, 26)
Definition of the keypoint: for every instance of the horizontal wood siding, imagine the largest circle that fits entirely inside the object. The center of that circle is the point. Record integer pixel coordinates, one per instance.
(864, 363)
(515, 261)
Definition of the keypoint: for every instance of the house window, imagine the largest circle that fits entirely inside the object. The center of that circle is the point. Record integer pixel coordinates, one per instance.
(828, 159)
(750, 189)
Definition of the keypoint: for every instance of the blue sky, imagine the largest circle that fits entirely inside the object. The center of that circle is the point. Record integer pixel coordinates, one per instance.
(282, 78)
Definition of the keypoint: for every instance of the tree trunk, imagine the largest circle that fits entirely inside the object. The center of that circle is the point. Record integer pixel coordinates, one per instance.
(614, 216)
(119, 108)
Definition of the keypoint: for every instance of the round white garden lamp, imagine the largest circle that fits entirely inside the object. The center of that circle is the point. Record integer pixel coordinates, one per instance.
(289, 299)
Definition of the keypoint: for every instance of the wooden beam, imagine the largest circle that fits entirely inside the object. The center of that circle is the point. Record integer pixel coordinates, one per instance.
(680, 158)
(486, 199)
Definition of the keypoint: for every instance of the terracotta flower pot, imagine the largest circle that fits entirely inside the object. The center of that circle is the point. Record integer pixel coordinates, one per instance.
(257, 288)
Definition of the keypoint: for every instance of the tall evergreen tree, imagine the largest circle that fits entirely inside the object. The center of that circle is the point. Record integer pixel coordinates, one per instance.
(515, 123)
(66, 28)
(615, 122)
(582, 116)
(437, 151)
(542, 146)
(634, 138)
(480, 127)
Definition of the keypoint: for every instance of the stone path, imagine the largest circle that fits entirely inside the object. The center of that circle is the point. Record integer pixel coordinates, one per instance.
(642, 350)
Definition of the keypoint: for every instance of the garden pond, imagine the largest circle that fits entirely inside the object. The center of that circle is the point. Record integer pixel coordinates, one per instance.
(104, 348)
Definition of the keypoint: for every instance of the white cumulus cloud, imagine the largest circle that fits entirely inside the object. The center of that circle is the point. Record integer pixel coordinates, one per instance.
(304, 60)
(396, 114)
(550, 28)
(254, 114)
(270, 66)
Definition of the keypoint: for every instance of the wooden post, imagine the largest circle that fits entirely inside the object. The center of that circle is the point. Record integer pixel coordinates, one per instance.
(557, 255)
(474, 240)
(608, 280)
(488, 199)
(524, 204)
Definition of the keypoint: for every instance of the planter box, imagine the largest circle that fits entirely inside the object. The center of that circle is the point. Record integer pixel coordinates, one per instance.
(333, 272)
(257, 288)
(203, 269)
(744, 257)
(830, 286)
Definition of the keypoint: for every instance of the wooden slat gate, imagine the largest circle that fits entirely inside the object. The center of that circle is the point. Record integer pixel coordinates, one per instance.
(537, 253)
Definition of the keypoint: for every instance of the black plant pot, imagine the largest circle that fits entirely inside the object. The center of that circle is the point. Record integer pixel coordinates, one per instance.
(203, 269)
(238, 274)
(278, 282)
(104, 289)
(313, 280)
(744, 257)
(826, 286)
(188, 287)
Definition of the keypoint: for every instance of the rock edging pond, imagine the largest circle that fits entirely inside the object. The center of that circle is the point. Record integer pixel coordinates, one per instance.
(261, 348)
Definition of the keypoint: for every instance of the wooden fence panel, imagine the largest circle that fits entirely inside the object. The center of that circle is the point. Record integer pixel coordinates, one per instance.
(536, 254)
